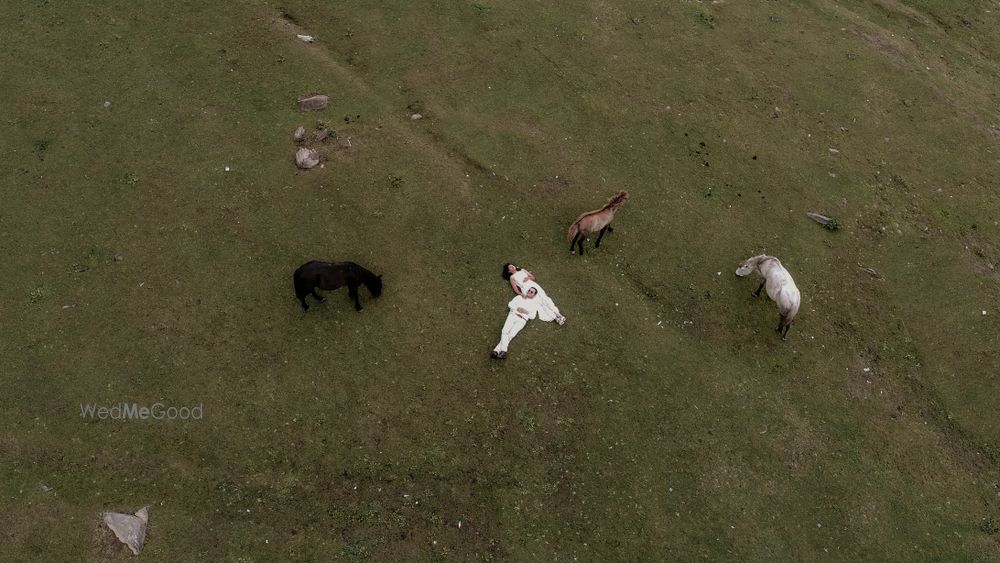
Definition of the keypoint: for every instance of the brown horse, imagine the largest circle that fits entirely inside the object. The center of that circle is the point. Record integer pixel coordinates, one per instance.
(597, 220)
(331, 275)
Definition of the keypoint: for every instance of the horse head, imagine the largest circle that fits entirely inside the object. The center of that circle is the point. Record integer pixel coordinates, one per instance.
(750, 264)
(618, 199)
(374, 285)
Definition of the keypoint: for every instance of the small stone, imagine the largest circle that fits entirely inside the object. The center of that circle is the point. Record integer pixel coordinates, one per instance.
(305, 38)
(775, 19)
(834, 151)
(226, 169)
(306, 158)
(322, 134)
(107, 104)
(851, 56)
(299, 134)
(119, 257)
(314, 103)
(416, 116)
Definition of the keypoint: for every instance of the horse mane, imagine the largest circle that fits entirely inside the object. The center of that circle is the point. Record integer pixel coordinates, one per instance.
(616, 200)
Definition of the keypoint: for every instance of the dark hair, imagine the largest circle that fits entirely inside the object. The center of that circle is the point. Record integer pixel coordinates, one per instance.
(506, 274)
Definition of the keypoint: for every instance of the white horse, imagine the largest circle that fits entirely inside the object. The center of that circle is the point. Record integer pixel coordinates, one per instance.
(780, 287)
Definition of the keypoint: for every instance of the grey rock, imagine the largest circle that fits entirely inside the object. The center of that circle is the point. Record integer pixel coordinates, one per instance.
(322, 134)
(306, 158)
(129, 529)
(299, 134)
(314, 103)
(821, 219)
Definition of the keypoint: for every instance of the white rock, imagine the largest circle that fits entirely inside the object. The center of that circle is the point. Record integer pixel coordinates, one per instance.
(416, 116)
(306, 158)
(129, 529)
(305, 38)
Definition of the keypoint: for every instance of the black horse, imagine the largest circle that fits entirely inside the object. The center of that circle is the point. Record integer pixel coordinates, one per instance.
(331, 275)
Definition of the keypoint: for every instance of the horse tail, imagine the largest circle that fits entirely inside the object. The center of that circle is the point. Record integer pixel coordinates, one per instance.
(574, 229)
(301, 286)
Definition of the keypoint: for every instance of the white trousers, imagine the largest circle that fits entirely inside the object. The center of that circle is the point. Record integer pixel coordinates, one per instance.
(513, 326)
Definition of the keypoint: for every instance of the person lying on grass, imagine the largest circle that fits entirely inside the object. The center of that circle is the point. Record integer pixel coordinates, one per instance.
(522, 309)
(520, 280)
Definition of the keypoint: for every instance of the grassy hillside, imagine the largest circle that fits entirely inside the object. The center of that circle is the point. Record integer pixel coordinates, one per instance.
(664, 421)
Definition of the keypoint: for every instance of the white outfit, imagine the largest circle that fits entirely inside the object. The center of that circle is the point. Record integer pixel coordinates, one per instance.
(515, 320)
(547, 310)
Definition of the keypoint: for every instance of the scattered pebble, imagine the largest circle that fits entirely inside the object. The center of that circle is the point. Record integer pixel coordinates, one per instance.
(416, 116)
(299, 134)
(775, 19)
(226, 169)
(834, 151)
(305, 38)
(107, 103)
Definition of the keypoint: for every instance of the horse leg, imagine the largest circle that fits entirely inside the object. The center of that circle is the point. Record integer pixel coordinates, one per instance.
(760, 287)
(301, 290)
(600, 236)
(572, 244)
(781, 323)
(580, 244)
(610, 228)
(786, 323)
(317, 296)
(352, 290)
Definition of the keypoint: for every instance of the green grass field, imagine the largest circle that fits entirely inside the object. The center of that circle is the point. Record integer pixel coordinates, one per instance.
(664, 421)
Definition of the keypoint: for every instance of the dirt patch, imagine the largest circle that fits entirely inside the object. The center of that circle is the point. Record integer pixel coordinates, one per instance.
(635, 277)
(984, 257)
